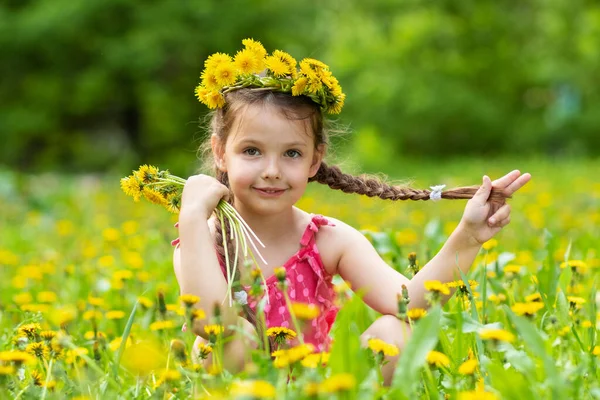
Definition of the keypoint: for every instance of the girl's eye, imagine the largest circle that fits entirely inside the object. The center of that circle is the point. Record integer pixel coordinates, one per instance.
(251, 151)
(293, 153)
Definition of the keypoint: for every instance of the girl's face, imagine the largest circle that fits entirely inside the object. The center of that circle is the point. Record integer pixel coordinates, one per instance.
(268, 159)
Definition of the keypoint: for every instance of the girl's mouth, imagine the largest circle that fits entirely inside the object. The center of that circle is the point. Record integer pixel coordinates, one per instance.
(268, 192)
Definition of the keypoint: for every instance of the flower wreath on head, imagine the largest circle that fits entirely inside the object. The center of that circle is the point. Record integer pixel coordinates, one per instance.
(253, 68)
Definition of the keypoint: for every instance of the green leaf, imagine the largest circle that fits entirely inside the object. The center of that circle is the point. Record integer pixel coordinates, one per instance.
(124, 338)
(422, 340)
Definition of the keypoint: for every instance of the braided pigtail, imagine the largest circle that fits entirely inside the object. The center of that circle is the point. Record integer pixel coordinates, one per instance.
(373, 187)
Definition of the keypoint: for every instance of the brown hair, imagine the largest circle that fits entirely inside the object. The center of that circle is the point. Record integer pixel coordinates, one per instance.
(302, 108)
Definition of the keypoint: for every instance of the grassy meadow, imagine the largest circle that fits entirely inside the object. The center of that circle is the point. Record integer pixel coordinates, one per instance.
(89, 304)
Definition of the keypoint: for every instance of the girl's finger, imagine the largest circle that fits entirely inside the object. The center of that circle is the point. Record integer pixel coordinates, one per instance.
(517, 184)
(176, 224)
(503, 182)
(502, 213)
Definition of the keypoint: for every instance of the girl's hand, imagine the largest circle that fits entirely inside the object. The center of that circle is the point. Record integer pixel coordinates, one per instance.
(201, 194)
(483, 218)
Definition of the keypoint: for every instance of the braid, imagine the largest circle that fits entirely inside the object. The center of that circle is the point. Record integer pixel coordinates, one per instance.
(373, 187)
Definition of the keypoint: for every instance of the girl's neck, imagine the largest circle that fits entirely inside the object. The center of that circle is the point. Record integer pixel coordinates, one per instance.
(272, 227)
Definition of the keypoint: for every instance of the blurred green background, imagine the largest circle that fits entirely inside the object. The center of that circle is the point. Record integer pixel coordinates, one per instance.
(104, 85)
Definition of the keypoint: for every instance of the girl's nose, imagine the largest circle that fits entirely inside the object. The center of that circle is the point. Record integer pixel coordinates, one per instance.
(272, 170)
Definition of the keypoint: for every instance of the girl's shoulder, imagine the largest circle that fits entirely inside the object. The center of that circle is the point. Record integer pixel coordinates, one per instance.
(332, 240)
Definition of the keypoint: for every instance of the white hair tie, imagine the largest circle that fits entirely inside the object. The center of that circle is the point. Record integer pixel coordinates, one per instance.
(241, 297)
(436, 192)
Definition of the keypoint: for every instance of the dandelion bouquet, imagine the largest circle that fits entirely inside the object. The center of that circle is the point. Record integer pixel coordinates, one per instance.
(162, 188)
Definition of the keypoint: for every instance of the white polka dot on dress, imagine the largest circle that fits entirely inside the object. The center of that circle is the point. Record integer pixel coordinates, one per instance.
(282, 310)
(305, 292)
(300, 278)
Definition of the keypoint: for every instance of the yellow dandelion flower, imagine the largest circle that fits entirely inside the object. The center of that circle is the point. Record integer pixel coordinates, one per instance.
(43, 308)
(497, 298)
(490, 244)
(154, 196)
(22, 298)
(111, 235)
(246, 61)
(313, 64)
(18, 357)
(437, 359)
(201, 92)
(204, 349)
(477, 395)
(114, 314)
(89, 335)
(314, 360)
(38, 349)
(209, 83)
(586, 324)
(336, 107)
(380, 346)
(47, 335)
(214, 99)
(226, 74)
(596, 351)
(6, 370)
(528, 309)
(46, 297)
(96, 301)
(578, 265)
(286, 59)
(416, 313)
(216, 59)
(29, 330)
(197, 314)
(115, 344)
(214, 329)
(146, 174)
(436, 286)
(299, 86)
(74, 354)
(122, 274)
(258, 389)
(92, 314)
(145, 302)
(338, 383)
(533, 297)
(305, 311)
(277, 67)
(280, 273)
(131, 187)
(286, 357)
(499, 335)
(461, 284)
(189, 299)
(512, 269)
(258, 50)
(281, 334)
(576, 302)
(469, 367)
(37, 378)
(162, 325)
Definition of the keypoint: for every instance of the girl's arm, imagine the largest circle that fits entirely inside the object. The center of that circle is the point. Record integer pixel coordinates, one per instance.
(195, 261)
(363, 268)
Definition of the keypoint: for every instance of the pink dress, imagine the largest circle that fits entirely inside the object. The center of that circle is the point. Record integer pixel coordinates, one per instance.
(308, 282)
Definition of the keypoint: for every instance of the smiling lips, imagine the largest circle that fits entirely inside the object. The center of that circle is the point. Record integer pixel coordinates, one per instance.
(270, 191)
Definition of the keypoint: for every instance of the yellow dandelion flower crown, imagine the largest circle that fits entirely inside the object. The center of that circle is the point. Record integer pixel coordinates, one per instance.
(253, 68)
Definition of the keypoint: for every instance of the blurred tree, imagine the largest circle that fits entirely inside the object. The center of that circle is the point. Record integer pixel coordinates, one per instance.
(95, 84)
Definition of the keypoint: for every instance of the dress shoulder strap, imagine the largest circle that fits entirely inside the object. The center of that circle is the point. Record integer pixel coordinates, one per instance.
(313, 227)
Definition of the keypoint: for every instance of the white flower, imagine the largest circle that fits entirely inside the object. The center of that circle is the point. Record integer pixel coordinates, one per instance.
(241, 297)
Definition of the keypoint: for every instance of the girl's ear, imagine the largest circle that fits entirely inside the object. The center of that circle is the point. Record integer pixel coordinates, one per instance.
(218, 152)
(317, 158)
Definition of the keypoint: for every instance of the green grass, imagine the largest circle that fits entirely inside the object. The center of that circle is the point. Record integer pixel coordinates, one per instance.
(72, 245)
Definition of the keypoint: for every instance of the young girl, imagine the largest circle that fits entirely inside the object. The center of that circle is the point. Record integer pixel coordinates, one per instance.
(268, 141)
